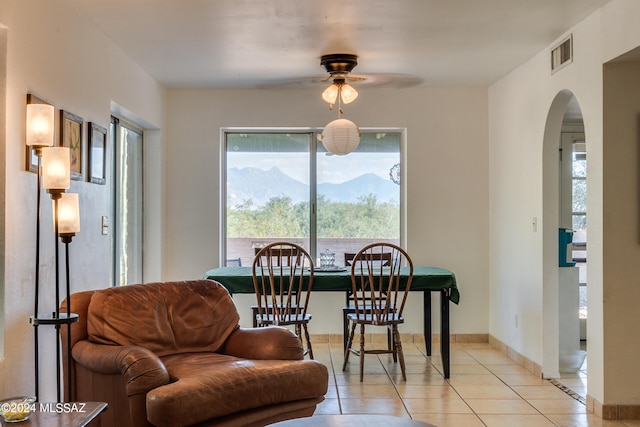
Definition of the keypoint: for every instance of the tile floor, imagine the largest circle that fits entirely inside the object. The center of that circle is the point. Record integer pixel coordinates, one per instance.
(575, 384)
(485, 389)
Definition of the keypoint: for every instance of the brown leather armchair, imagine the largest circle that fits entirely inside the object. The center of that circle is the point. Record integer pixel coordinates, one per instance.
(172, 354)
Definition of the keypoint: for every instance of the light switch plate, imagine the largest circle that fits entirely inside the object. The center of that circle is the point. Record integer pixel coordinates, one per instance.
(105, 225)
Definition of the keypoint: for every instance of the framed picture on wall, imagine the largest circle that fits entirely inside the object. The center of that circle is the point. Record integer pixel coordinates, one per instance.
(31, 163)
(97, 153)
(71, 137)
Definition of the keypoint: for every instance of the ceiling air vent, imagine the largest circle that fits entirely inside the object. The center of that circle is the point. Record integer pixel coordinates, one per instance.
(562, 54)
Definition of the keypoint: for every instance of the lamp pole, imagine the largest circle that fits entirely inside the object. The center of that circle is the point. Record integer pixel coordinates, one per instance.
(66, 239)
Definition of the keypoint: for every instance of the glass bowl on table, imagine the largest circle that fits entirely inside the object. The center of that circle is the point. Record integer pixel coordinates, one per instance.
(16, 409)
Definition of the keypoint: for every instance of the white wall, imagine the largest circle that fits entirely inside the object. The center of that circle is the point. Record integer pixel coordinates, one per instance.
(519, 105)
(447, 182)
(54, 53)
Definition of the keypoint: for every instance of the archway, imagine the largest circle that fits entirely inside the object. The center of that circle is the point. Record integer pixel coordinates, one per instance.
(561, 332)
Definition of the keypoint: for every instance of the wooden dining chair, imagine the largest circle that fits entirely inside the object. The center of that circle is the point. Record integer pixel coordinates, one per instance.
(283, 279)
(385, 259)
(279, 255)
(379, 299)
(282, 253)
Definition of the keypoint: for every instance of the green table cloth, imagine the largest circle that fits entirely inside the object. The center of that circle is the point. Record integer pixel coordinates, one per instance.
(238, 280)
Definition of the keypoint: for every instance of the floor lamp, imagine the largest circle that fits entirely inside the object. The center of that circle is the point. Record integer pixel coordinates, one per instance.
(56, 178)
(39, 134)
(68, 217)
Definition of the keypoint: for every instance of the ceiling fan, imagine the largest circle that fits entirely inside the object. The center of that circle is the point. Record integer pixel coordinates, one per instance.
(339, 67)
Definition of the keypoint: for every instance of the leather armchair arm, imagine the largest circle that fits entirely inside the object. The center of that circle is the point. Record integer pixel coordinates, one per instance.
(271, 343)
(141, 369)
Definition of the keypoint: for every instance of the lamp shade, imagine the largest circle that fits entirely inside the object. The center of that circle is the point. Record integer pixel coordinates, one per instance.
(341, 137)
(56, 172)
(68, 214)
(330, 94)
(348, 93)
(40, 125)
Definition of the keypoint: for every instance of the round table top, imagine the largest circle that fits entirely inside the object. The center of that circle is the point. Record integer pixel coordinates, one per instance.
(351, 421)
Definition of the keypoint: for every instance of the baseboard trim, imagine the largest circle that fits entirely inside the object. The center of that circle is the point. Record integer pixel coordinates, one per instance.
(613, 412)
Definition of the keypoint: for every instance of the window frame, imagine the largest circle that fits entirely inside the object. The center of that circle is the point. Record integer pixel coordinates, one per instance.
(116, 123)
(313, 144)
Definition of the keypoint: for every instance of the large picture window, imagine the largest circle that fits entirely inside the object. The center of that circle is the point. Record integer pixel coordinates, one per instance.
(285, 186)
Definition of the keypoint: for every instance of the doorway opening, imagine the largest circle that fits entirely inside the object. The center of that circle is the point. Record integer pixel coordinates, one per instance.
(565, 243)
(573, 216)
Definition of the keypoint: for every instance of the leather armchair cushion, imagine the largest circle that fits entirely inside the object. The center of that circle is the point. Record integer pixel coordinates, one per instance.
(166, 318)
(210, 385)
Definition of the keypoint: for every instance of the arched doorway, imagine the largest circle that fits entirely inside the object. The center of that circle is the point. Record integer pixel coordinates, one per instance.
(564, 220)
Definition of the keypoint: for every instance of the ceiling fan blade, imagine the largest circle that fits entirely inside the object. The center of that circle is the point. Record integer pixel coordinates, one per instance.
(397, 81)
(351, 78)
(339, 67)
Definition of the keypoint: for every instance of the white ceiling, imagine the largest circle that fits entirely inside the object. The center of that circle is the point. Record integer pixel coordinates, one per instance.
(253, 43)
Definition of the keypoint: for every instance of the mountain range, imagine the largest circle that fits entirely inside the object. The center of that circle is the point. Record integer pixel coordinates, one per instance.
(259, 186)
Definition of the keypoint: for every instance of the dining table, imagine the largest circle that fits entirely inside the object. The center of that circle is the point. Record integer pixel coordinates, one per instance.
(239, 280)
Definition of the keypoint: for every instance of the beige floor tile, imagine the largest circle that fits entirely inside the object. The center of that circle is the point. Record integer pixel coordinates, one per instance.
(350, 379)
(516, 421)
(547, 391)
(429, 378)
(466, 369)
(558, 406)
(460, 359)
(471, 379)
(365, 391)
(373, 406)
(393, 369)
(570, 382)
(370, 360)
(409, 359)
(500, 406)
(486, 392)
(426, 391)
(507, 369)
(522, 379)
(354, 369)
(443, 405)
(584, 420)
(450, 420)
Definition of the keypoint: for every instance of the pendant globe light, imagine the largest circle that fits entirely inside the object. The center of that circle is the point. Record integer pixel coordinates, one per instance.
(341, 136)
